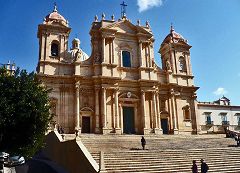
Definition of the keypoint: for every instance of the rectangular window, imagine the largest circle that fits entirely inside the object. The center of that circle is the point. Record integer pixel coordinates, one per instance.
(126, 59)
(208, 118)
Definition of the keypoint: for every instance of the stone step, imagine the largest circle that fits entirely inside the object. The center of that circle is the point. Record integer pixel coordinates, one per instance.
(164, 153)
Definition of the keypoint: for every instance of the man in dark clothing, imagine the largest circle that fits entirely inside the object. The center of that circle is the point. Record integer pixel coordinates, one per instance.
(143, 141)
(194, 167)
(204, 167)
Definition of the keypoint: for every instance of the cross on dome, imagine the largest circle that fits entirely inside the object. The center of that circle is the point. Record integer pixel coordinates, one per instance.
(123, 9)
(55, 7)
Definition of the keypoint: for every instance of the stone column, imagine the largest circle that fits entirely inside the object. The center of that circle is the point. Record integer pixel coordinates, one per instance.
(103, 49)
(97, 130)
(104, 116)
(78, 127)
(174, 112)
(140, 54)
(43, 46)
(154, 112)
(136, 125)
(121, 117)
(149, 55)
(117, 127)
(113, 48)
(144, 117)
(158, 114)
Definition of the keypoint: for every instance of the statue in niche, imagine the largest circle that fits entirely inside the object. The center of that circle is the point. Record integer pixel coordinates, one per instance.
(168, 66)
(78, 55)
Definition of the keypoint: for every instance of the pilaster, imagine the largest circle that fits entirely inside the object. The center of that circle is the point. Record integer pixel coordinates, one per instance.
(97, 130)
(104, 116)
(78, 127)
(117, 119)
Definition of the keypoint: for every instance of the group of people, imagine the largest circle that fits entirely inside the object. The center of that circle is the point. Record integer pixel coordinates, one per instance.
(204, 167)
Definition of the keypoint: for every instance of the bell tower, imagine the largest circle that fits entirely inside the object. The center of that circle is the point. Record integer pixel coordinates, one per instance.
(53, 36)
(175, 54)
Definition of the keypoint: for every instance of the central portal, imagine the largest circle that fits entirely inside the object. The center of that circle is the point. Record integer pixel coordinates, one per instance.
(128, 120)
(86, 124)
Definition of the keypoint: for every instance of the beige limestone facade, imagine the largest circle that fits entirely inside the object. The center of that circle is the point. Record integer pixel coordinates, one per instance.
(118, 88)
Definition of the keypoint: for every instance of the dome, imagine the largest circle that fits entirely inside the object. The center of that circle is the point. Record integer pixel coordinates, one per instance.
(75, 43)
(173, 36)
(76, 40)
(55, 17)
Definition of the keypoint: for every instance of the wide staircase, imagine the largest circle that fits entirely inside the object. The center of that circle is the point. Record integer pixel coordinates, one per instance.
(164, 154)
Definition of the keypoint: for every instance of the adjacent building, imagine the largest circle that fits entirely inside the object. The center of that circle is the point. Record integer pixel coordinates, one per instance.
(217, 115)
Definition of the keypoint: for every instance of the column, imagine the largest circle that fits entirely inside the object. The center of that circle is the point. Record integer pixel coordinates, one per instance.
(158, 114)
(140, 54)
(104, 116)
(117, 119)
(121, 117)
(144, 118)
(149, 55)
(47, 49)
(103, 49)
(113, 48)
(78, 127)
(97, 110)
(154, 112)
(136, 124)
(174, 113)
(43, 46)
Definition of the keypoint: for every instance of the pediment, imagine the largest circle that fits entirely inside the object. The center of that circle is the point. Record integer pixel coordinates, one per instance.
(125, 26)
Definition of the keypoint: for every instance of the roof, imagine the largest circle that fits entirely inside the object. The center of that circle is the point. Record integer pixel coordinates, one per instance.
(174, 37)
(55, 17)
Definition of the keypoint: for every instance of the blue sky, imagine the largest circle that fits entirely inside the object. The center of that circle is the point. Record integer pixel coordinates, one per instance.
(210, 26)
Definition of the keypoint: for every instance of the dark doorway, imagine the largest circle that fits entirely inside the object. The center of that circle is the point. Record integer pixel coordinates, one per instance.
(164, 124)
(85, 124)
(128, 120)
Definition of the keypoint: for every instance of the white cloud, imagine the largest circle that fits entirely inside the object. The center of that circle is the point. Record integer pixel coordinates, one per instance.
(147, 4)
(220, 91)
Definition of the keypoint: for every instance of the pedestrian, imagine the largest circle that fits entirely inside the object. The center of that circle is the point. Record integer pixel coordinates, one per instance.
(61, 130)
(58, 128)
(204, 166)
(194, 167)
(143, 142)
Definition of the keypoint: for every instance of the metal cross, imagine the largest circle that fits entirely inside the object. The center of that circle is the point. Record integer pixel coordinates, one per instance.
(123, 9)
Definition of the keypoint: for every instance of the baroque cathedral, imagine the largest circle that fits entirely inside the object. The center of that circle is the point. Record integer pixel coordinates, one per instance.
(118, 89)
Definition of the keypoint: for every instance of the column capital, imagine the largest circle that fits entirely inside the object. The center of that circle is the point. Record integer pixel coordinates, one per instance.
(142, 92)
(77, 85)
(116, 89)
(97, 88)
(103, 88)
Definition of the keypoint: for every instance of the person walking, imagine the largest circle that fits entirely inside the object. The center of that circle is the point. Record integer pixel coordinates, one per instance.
(194, 167)
(143, 142)
(204, 166)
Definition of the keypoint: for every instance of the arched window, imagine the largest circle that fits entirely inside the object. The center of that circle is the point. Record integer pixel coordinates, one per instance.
(54, 49)
(126, 59)
(182, 64)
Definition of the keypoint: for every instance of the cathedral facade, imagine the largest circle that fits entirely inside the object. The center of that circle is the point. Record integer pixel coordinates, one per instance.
(118, 88)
